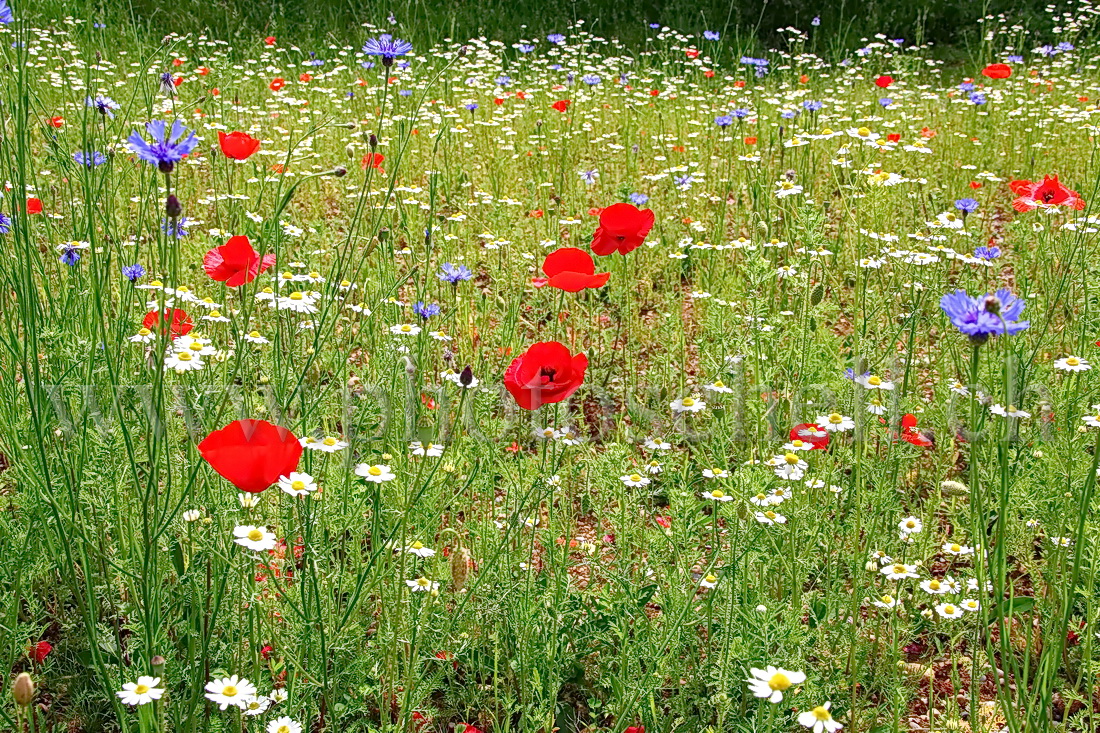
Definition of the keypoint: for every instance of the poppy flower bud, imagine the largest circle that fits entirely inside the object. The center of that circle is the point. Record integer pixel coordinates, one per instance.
(992, 304)
(340, 172)
(466, 378)
(22, 690)
(373, 140)
(172, 207)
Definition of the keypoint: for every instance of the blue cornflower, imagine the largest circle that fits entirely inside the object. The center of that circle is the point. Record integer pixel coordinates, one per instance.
(5, 13)
(1048, 50)
(367, 64)
(425, 310)
(405, 93)
(99, 25)
(387, 47)
(654, 25)
(638, 199)
(134, 272)
(503, 81)
(816, 21)
(723, 120)
(471, 106)
(453, 274)
(556, 38)
(103, 105)
(987, 253)
(711, 35)
(5, 223)
(167, 83)
(314, 61)
(89, 159)
(967, 86)
(167, 147)
(69, 256)
(977, 98)
(178, 232)
(885, 101)
(1065, 46)
(741, 113)
(590, 176)
(897, 41)
(850, 374)
(525, 48)
(591, 79)
(569, 78)
(985, 316)
(624, 78)
(789, 114)
(684, 181)
(966, 206)
(554, 67)
(812, 105)
(1014, 59)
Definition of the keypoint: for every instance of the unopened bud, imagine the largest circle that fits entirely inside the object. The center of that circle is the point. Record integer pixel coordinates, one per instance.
(466, 378)
(340, 172)
(992, 304)
(463, 51)
(373, 140)
(157, 663)
(23, 690)
(172, 207)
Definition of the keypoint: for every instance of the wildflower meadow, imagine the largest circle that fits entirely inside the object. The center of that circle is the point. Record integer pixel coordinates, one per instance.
(402, 382)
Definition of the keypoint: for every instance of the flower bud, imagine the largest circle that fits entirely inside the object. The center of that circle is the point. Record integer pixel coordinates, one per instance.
(340, 172)
(22, 690)
(466, 378)
(992, 304)
(172, 207)
(373, 141)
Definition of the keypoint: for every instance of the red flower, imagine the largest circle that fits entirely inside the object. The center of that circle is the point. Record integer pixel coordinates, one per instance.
(202, 71)
(470, 728)
(40, 651)
(750, 140)
(691, 53)
(635, 729)
(235, 262)
(270, 40)
(238, 145)
(372, 160)
(277, 83)
(663, 520)
(623, 228)
(561, 105)
(34, 206)
(251, 454)
(267, 651)
(997, 71)
(810, 433)
(305, 77)
(1048, 193)
(572, 270)
(544, 374)
(57, 121)
(654, 92)
(910, 434)
(884, 81)
(178, 322)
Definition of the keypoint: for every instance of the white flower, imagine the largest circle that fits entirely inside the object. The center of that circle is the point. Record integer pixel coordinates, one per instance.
(183, 361)
(422, 585)
(547, 433)
(325, 445)
(417, 548)
(970, 605)
(432, 450)
(230, 691)
(715, 473)
(819, 719)
(143, 336)
(872, 381)
(247, 500)
(257, 706)
(717, 495)
(788, 466)
(718, 386)
(772, 682)
(142, 692)
(786, 188)
(835, 422)
(1010, 411)
(709, 580)
(949, 610)
(886, 601)
(910, 525)
(192, 515)
(297, 484)
(770, 517)
(284, 725)
(377, 474)
(952, 548)
(258, 539)
(405, 329)
(634, 479)
(688, 404)
(660, 444)
(934, 586)
(1072, 364)
(899, 571)
(297, 302)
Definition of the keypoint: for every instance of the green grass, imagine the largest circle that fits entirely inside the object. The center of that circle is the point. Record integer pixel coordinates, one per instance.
(566, 598)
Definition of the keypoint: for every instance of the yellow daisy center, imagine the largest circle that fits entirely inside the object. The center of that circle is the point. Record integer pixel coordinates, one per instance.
(255, 535)
(717, 493)
(144, 332)
(184, 356)
(688, 402)
(254, 334)
(141, 689)
(874, 381)
(1073, 361)
(863, 132)
(329, 441)
(229, 690)
(374, 471)
(779, 681)
(635, 477)
(836, 418)
(791, 458)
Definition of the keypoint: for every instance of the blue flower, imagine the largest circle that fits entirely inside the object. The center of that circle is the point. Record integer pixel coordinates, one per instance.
(816, 21)
(789, 114)
(1065, 46)
(503, 81)
(556, 38)
(741, 113)
(5, 223)
(966, 206)
(167, 147)
(591, 79)
(387, 47)
(985, 316)
(723, 120)
(1048, 50)
(684, 181)
(133, 273)
(987, 253)
(590, 176)
(90, 159)
(638, 199)
(885, 101)
(812, 105)
(471, 106)
(977, 98)
(525, 48)
(449, 273)
(405, 93)
(967, 86)
(179, 231)
(5, 12)
(1014, 59)
(711, 35)
(425, 310)
(70, 256)
(167, 83)
(103, 105)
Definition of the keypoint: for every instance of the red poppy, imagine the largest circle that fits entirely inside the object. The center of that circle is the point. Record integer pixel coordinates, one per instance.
(372, 160)
(57, 121)
(238, 145)
(202, 71)
(173, 320)
(997, 71)
(305, 77)
(623, 228)
(40, 651)
(910, 434)
(251, 454)
(635, 729)
(561, 105)
(750, 140)
(34, 206)
(572, 270)
(654, 92)
(708, 74)
(1045, 194)
(894, 137)
(270, 40)
(663, 520)
(277, 83)
(884, 81)
(235, 262)
(691, 53)
(544, 374)
(810, 433)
